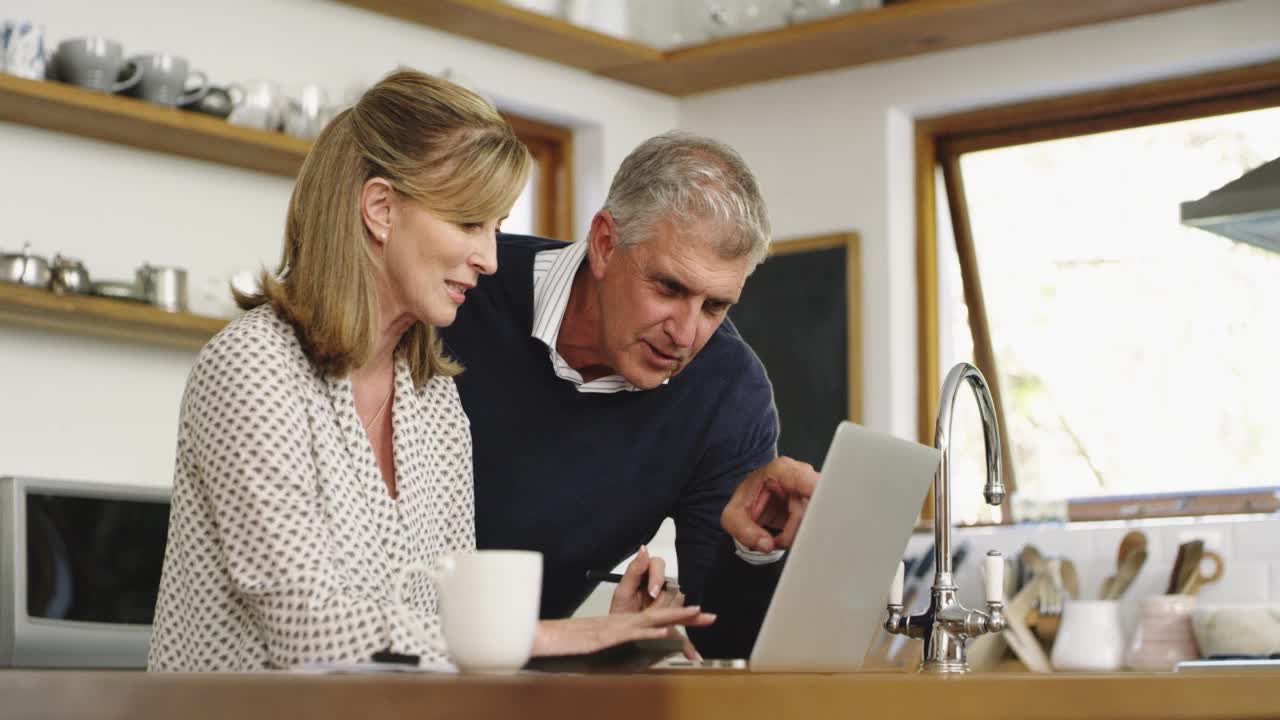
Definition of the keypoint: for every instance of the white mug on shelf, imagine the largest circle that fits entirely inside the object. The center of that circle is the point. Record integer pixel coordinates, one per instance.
(488, 606)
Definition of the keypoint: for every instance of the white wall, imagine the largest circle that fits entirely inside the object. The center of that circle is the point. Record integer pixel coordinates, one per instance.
(833, 150)
(100, 410)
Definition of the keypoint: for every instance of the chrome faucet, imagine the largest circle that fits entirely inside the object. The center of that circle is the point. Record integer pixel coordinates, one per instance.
(947, 625)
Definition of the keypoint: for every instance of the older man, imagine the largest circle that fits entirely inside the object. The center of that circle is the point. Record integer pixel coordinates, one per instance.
(607, 391)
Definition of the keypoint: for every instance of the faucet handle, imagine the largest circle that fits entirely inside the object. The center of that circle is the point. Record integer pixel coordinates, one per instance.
(993, 572)
(895, 589)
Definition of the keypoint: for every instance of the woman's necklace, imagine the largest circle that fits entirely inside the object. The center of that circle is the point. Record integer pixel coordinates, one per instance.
(381, 407)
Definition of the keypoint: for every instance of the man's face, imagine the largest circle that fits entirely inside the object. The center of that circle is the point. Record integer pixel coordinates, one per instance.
(662, 299)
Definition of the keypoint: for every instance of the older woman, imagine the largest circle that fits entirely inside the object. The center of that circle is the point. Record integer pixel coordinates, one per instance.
(322, 446)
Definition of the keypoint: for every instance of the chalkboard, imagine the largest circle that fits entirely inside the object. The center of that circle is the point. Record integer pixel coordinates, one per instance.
(799, 312)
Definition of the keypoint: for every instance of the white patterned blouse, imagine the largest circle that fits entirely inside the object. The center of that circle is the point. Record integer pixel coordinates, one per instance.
(284, 543)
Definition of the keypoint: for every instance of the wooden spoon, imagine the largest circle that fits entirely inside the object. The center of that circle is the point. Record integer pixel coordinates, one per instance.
(1070, 579)
(1132, 541)
(1126, 574)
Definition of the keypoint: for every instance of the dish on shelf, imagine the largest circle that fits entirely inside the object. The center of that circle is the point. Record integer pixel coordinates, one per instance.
(118, 290)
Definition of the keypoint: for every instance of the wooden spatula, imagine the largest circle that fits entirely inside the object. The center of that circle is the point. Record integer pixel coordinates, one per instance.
(1188, 560)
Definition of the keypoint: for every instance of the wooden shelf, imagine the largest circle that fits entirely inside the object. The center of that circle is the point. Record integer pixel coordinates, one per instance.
(895, 31)
(71, 109)
(521, 30)
(104, 317)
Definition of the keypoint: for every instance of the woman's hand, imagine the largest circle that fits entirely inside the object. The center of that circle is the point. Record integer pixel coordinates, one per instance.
(577, 636)
(642, 584)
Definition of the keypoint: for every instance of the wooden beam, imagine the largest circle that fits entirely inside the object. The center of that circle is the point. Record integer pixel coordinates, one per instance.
(984, 354)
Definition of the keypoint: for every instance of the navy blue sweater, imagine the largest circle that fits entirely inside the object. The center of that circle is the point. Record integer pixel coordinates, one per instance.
(585, 478)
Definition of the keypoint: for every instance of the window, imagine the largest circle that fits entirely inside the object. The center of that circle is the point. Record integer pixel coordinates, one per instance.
(1133, 356)
(546, 206)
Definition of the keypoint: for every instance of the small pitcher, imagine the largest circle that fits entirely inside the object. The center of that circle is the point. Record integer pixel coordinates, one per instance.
(1090, 638)
(1164, 636)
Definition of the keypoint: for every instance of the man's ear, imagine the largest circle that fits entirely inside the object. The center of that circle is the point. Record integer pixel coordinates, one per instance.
(602, 241)
(377, 199)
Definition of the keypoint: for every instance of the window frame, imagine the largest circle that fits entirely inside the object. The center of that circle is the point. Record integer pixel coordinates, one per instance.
(940, 141)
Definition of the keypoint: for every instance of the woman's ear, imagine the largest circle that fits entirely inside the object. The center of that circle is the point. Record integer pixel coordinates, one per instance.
(377, 198)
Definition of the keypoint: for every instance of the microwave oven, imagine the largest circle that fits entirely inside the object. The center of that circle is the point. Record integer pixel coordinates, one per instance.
(79, 572)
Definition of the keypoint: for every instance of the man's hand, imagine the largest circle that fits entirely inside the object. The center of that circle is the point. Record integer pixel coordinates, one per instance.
(774, 496)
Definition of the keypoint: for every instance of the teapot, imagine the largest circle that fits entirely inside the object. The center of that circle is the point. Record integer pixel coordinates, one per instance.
(70, 276)
(24, 268)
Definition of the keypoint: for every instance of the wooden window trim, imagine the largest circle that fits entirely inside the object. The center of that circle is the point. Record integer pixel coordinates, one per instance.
(940, 141)
(552, 146)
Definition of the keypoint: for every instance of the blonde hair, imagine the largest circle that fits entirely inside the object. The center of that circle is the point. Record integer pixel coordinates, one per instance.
(434, 141)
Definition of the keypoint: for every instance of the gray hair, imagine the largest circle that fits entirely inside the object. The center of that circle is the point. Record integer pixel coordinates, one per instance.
(687, 179)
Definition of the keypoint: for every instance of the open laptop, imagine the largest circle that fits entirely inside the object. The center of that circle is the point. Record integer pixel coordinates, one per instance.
(830, 600)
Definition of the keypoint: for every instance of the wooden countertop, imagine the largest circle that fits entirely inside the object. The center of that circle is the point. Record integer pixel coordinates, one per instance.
(278, 696)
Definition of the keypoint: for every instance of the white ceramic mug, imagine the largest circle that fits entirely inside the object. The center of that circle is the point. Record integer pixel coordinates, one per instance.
(1090, 638)
(488, 606)
(260, 104)
(22, 50)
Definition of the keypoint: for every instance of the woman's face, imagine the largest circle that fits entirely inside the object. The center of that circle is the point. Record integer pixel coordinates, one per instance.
(431, 263)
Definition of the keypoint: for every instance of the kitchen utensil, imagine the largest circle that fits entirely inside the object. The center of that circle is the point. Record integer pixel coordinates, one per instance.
(95, 63)
(164, 287)
(1126, 574)
(306, 116)
(69, 275)
(165, 79)
(22, 51)
(1189, 554)
(1164, 636)
(1132, 542)
(1019, 636)
(24, 268)
(118, 290)
(1031, 562)
(1070, 579)
(1090, 638)
(1051, 601)
(218, 101)
(261, 105)
(1193, 577)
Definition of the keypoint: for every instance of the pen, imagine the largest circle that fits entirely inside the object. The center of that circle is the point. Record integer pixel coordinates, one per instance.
(669, 584)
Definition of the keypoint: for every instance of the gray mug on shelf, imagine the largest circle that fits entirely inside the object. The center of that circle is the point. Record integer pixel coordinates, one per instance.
(165, 79)
(164, 287)
(95, 63)
(218, 101)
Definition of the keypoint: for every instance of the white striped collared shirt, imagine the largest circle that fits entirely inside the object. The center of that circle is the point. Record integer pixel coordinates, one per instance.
(553, 272)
